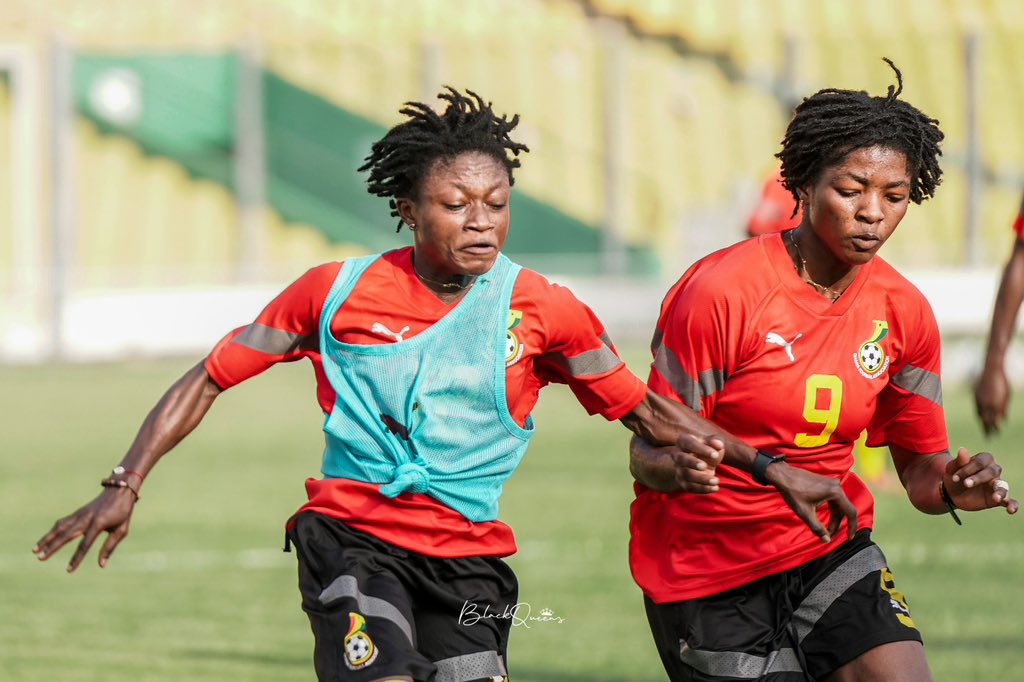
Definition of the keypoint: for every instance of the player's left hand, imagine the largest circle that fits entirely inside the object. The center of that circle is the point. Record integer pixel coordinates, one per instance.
(110, 511)
(696, 459)
(974, 483)
(688, 466)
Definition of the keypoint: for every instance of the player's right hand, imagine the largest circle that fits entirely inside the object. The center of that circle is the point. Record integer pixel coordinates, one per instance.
(110, 511)
(805, 491)
(991, 396)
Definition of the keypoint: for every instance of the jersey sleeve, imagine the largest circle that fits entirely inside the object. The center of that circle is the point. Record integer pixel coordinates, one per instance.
(909, 412)
(285, 331)
(578, 352)
(692, 346)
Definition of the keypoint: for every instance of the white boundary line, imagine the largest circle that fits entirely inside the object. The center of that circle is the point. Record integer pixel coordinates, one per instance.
(160, 561)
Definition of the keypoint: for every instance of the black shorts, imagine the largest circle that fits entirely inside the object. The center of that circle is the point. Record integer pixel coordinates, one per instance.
(379, 612)
(796, 625)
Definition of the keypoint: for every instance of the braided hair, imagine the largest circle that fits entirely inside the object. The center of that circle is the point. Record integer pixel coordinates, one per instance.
(831, 123)
(399, 161)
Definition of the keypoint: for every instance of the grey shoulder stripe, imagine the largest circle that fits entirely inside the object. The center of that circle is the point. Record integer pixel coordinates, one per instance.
(346, 586)
(607, 340)
(480, 665)
(920, 382)
(682, 383)
(591, 362)
(711, 381)
(268, 340)
(738, 665)
(689, 389)
(834, 586)
(656, 341)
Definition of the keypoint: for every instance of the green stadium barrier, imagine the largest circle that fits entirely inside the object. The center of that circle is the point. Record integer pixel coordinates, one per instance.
(182, 107)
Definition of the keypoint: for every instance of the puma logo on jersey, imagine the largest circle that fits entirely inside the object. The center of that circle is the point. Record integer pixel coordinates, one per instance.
(772, 337)
(378, 328)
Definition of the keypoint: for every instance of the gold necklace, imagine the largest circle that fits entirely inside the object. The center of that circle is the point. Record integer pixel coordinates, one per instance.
(806, 276)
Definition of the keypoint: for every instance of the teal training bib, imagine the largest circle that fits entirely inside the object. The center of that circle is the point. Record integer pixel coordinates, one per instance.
(427, 414)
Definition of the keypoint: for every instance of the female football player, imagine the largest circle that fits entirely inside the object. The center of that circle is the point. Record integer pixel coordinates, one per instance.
(795, 343)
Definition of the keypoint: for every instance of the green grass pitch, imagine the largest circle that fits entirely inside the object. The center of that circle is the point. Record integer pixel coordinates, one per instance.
(200, 590)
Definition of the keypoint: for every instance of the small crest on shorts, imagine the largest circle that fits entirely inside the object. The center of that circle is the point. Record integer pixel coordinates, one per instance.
(871, 359)
(360, 650)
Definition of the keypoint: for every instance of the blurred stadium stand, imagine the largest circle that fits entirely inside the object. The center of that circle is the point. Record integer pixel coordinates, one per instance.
(651, 124)
(313, 147)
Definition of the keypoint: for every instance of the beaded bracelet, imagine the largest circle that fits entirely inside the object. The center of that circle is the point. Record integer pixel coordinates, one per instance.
(118, 470)
(119, 483)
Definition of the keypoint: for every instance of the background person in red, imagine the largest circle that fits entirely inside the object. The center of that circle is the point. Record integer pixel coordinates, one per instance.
(429, 360)
(992, 392)
(795, 343)
(775, 210)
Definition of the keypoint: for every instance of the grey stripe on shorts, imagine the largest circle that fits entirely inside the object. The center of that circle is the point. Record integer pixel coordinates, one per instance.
(470, 667)
(346, 586)
(739, 665)
(813, 606)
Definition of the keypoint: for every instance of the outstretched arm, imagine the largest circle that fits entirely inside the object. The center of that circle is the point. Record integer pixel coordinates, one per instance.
(663, 422)
(972, 483)
(992, 392)
(177, 413)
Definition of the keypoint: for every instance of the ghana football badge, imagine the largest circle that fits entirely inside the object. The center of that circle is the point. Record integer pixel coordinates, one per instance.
(870, 358)
(513, 346)
(359, 648)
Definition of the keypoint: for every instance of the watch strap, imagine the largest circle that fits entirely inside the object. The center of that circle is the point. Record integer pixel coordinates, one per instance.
(761, 462)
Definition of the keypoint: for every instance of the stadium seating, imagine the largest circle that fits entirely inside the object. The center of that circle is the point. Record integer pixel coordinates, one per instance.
(837, 45)
(700, 98)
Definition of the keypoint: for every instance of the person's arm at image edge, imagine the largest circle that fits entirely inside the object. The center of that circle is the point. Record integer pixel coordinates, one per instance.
(992, 392)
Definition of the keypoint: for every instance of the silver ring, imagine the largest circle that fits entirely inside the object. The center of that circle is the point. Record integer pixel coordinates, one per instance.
(1001, 484)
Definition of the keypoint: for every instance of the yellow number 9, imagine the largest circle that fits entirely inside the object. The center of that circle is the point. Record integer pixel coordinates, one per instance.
(815, 415)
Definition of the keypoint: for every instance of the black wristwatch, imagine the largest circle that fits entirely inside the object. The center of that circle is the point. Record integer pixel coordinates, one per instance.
(761, 462)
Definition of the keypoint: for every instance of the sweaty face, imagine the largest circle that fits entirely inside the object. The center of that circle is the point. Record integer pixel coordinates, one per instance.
(460, 216)
(855, 205)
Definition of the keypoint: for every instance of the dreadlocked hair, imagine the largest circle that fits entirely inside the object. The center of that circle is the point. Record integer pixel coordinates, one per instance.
(831, 123)
(398, 162)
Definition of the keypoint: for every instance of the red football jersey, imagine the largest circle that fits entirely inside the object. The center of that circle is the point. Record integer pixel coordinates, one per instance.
(746, 341)
(553, 337)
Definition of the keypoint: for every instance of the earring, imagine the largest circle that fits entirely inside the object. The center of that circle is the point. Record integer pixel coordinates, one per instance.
(412, 226)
